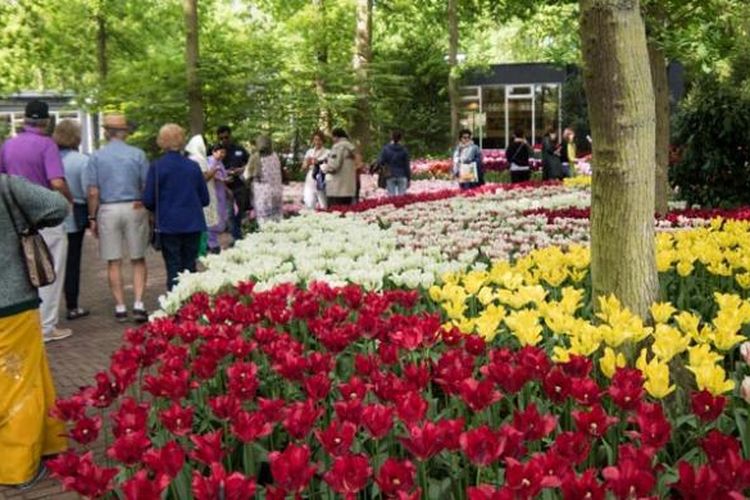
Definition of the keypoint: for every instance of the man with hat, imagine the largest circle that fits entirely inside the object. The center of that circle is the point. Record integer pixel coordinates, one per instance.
(33, 155)
(116, 176)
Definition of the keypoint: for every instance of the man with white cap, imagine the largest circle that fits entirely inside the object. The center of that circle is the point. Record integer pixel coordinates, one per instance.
(116, 177)
(32, 154)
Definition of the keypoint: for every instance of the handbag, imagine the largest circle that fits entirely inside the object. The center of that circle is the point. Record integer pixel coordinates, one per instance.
(40, 267)
(155, 234)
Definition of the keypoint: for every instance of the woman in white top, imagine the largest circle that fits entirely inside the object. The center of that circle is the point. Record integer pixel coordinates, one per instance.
(196, 150)
(314, 192)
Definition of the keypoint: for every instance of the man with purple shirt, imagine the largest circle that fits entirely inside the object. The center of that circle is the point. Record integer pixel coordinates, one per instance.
(33, 155)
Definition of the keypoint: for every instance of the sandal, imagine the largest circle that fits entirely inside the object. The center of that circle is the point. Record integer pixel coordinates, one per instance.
(78, 312)
(41, 475)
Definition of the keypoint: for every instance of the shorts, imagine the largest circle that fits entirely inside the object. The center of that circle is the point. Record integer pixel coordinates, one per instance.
(118, 221)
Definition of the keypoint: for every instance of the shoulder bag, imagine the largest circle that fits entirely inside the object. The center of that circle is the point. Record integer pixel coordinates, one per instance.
(40, 267)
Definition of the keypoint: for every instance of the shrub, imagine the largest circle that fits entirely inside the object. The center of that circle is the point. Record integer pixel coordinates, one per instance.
(712, 130)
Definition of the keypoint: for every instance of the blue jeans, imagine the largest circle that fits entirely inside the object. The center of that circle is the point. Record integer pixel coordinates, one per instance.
(180, 251)
(396, 186)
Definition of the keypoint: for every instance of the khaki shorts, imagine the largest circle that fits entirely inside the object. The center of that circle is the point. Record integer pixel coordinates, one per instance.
(118, 222)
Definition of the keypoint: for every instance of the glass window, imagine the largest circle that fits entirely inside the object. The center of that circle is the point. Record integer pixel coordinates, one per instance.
(519, 116)
(547, 102)
(520, 90)
(493, 105)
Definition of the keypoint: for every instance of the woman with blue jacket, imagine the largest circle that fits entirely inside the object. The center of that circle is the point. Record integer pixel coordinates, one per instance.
(176, 192)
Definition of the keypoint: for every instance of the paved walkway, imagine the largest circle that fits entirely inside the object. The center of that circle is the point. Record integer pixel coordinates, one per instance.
(75, 360)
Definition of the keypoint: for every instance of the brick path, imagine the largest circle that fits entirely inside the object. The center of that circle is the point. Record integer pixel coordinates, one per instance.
(75, 360)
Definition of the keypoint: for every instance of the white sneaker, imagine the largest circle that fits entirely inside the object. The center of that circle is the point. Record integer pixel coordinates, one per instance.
(57, 334)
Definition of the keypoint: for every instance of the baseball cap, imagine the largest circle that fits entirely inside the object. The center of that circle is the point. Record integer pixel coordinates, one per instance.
(37, 110)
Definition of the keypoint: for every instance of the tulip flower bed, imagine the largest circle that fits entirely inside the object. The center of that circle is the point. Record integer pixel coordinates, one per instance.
(675, 218)
(312, 393)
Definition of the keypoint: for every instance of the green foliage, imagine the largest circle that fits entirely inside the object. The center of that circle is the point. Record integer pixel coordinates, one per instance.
(713, 131)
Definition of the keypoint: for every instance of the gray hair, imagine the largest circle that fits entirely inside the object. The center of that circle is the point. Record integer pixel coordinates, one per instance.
(264, 146)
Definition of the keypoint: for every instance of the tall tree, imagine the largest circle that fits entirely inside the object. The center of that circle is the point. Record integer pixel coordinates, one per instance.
(452, 64)
(321, 58)
(194, 92)
(361, 65)
(617, 78)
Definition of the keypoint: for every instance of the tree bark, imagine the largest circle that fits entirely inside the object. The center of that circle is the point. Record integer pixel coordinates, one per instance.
(452, 64)
(321, 55)
(660, 83)
(361, 63)
(194, 92)
(101, 43)
(617, 79)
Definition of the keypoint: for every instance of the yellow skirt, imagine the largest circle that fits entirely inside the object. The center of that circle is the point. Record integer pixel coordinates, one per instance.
(27, 393)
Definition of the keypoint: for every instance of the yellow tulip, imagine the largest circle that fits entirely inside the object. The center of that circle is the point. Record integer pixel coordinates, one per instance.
(571, 299)
(435, 293)
(524, 324)
(685, 268)
(662, 311)
(560, 354)
(610, 362)
(702, 355)
(712, 378)
(657, 379)
(668, 342)
(688, 323)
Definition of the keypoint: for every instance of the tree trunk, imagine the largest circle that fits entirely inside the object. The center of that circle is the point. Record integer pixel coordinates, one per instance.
(617, 79)
(660, 83)
(195, 95)
(321, 55)
(452, 63)
(102, 62)
(361, 63)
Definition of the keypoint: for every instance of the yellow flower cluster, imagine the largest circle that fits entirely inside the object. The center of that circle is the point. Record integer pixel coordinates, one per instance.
(577, 181)
(538, 300)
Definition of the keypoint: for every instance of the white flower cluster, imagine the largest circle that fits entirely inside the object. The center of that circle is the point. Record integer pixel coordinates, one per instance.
(315, 247)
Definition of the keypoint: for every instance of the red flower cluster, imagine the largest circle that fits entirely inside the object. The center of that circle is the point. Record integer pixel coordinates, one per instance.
(674, 216)
(291, 391)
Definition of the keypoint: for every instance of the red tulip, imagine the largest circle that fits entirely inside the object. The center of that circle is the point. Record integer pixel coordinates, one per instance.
(65, 464)
(178, 420)
(242, 381)
(573, 446)
(395, 476)
(337, 438)
(451, 430)
(527, 480)
(481, 446)
(86, 430)
(131, 417)
(452, 368)
(129, 448)
(248, 427)
(208, 447)
(417, 376)
(171, 385)
(142, 487)
(317, 386)
(348, 475)
(654, 427)
(225, 407)
(219, 484)
(354, 388)
(585, 391)
(626, 480)
(349, 410)
(272, 409)
(626, 389)
(291, 469)
(706, 406)
(584, 486)
(701, 486)
(167, 460)
(716, 445)
(89, 480)
(594, 422)
(474, 345)
(378, 420)
(487, 492)
(578, 366)
(300, 418)
(424, 442)
(478, 395)
(72, 408)
(557, 385)
(533, 425)
(411, 408)
(535, 360)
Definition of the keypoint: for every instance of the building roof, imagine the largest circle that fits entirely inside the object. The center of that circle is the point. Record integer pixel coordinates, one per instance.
(56, 100)
(516, 74)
